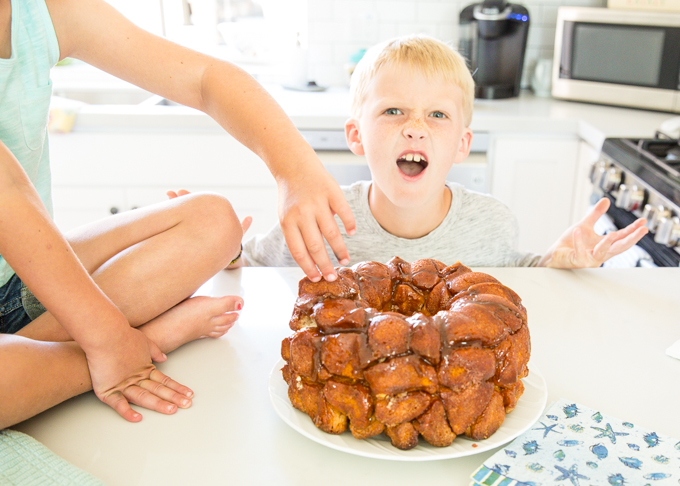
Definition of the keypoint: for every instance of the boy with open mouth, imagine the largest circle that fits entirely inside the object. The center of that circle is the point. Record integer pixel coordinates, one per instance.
(411, 107)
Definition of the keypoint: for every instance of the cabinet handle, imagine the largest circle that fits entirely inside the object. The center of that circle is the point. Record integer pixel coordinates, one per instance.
(113, 210)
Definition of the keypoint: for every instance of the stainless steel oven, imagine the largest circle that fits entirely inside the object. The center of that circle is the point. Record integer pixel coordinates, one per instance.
(642, 179)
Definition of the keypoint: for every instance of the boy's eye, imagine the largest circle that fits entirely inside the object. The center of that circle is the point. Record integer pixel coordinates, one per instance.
(437, 114)
(393, 111)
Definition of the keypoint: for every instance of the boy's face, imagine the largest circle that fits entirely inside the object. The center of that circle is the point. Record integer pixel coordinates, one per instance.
(411, 131)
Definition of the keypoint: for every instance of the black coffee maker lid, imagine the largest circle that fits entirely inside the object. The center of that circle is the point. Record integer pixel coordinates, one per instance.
(492, 10)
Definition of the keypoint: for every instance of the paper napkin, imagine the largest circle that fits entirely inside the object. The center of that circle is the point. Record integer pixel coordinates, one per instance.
(574, 445)
(674, 350)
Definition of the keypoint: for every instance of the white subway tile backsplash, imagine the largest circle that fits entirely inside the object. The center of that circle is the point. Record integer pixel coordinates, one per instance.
(540, 36)
(416, 28)
(387, 30)
(549, 15)
(320, 10)
(321, 52)
(341, 27)
(437, 12)
(400, 11)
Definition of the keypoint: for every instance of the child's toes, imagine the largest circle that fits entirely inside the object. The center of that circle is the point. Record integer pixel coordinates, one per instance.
(220, 331)
(229, 303)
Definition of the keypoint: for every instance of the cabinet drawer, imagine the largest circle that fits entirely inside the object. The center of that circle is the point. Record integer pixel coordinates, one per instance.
(75, 206)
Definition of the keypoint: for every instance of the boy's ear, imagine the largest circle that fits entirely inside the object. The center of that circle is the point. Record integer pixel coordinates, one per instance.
(353, 137)
(464, 147)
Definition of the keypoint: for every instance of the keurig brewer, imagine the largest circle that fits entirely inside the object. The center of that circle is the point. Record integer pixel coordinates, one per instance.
(493, 38)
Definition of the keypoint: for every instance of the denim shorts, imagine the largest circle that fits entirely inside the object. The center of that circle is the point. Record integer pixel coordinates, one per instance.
(18, 306)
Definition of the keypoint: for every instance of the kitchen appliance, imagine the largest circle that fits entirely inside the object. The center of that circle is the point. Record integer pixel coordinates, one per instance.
(618, 57)
(641, 177)
(493, 38)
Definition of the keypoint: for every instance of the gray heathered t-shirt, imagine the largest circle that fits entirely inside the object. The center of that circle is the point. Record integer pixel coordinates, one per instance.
(478, 231)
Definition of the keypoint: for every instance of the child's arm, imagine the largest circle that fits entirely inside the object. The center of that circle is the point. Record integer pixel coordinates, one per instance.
(309, 197)
(118, 356)
(581, 247)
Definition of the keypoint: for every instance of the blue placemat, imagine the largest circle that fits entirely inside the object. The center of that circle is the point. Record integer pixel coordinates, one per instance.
(574, 445)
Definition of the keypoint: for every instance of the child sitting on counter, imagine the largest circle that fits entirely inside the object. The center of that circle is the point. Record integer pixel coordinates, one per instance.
(411, 107)
(94, 308)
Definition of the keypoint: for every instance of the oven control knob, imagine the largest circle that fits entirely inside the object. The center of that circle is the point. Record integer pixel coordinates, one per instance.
(654, 214)
(637, 197)
(612, 179)
(597, 172)
(668, 231)
(649, 213)
(629, 198)
(659, 214)
(623, 197)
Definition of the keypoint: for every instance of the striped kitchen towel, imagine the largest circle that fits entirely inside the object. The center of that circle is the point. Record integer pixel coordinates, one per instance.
(24, 461)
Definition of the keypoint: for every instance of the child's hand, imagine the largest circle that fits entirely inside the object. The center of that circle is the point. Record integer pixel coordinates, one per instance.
(122, 374)
(307, 206)
(581, 247)
(173, 194)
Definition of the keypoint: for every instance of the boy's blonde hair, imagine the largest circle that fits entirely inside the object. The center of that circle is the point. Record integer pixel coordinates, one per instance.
(426, 54)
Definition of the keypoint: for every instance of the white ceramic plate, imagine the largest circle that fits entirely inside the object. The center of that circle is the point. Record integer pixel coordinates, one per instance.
(529, 408)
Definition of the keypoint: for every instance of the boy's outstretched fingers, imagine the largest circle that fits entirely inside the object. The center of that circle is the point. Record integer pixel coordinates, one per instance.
(627, 237)
(597, 211)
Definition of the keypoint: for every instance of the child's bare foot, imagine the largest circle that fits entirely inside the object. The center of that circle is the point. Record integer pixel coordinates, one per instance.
(195, 318)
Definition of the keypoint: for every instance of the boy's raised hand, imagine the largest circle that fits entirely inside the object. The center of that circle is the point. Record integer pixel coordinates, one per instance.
(581, 247)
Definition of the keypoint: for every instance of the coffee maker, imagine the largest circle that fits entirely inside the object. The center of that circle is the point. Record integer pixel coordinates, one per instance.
(493, 39)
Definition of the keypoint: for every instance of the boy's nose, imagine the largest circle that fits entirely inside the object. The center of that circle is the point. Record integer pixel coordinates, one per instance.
(415, 129)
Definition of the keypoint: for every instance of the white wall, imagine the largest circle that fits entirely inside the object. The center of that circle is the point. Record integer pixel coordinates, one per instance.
(338, 28)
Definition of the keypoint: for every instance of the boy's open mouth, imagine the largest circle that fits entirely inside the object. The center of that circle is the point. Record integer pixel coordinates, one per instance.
(412, 164)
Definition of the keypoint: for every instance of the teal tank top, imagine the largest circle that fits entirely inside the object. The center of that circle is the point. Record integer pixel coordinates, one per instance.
(25, 91)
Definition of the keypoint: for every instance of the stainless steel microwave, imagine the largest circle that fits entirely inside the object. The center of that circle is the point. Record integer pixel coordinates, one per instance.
(618, 57)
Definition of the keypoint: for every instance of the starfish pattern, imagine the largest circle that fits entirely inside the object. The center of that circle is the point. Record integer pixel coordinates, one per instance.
(571, 474)
(609, 433)
(547, 429)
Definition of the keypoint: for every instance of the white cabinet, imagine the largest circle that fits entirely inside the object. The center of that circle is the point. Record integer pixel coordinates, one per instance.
(535, 176)
(583, 190)
(97, 173)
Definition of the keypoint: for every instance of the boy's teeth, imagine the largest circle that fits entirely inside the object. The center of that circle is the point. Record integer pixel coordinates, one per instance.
(412, 158)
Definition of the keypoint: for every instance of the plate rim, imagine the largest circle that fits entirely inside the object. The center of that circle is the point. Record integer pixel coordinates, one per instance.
(423, 451)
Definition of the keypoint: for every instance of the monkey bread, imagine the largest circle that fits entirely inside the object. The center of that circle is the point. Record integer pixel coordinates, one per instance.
(408, 349)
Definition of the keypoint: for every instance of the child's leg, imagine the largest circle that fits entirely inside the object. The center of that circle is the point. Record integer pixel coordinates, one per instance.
(37, 375)
(150, 259)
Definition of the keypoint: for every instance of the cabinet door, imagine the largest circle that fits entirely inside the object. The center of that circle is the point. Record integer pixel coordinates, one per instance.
(534, 176)
(260, 203)
(583, 188)
(77, 205)
(96, 173)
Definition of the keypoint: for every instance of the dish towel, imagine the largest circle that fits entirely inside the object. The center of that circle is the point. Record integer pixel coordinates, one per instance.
(24, 460)
(573, 445)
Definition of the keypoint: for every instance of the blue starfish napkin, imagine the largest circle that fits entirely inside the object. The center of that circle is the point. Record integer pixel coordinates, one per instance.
(575, 445)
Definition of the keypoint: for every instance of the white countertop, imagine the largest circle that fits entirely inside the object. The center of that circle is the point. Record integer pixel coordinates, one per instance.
(328, 110)
(598, 337)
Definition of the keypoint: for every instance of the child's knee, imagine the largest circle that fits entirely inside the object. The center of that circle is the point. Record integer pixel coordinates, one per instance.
(215, 219)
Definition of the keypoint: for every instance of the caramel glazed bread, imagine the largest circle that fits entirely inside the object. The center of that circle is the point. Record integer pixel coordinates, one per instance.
(407, 349)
